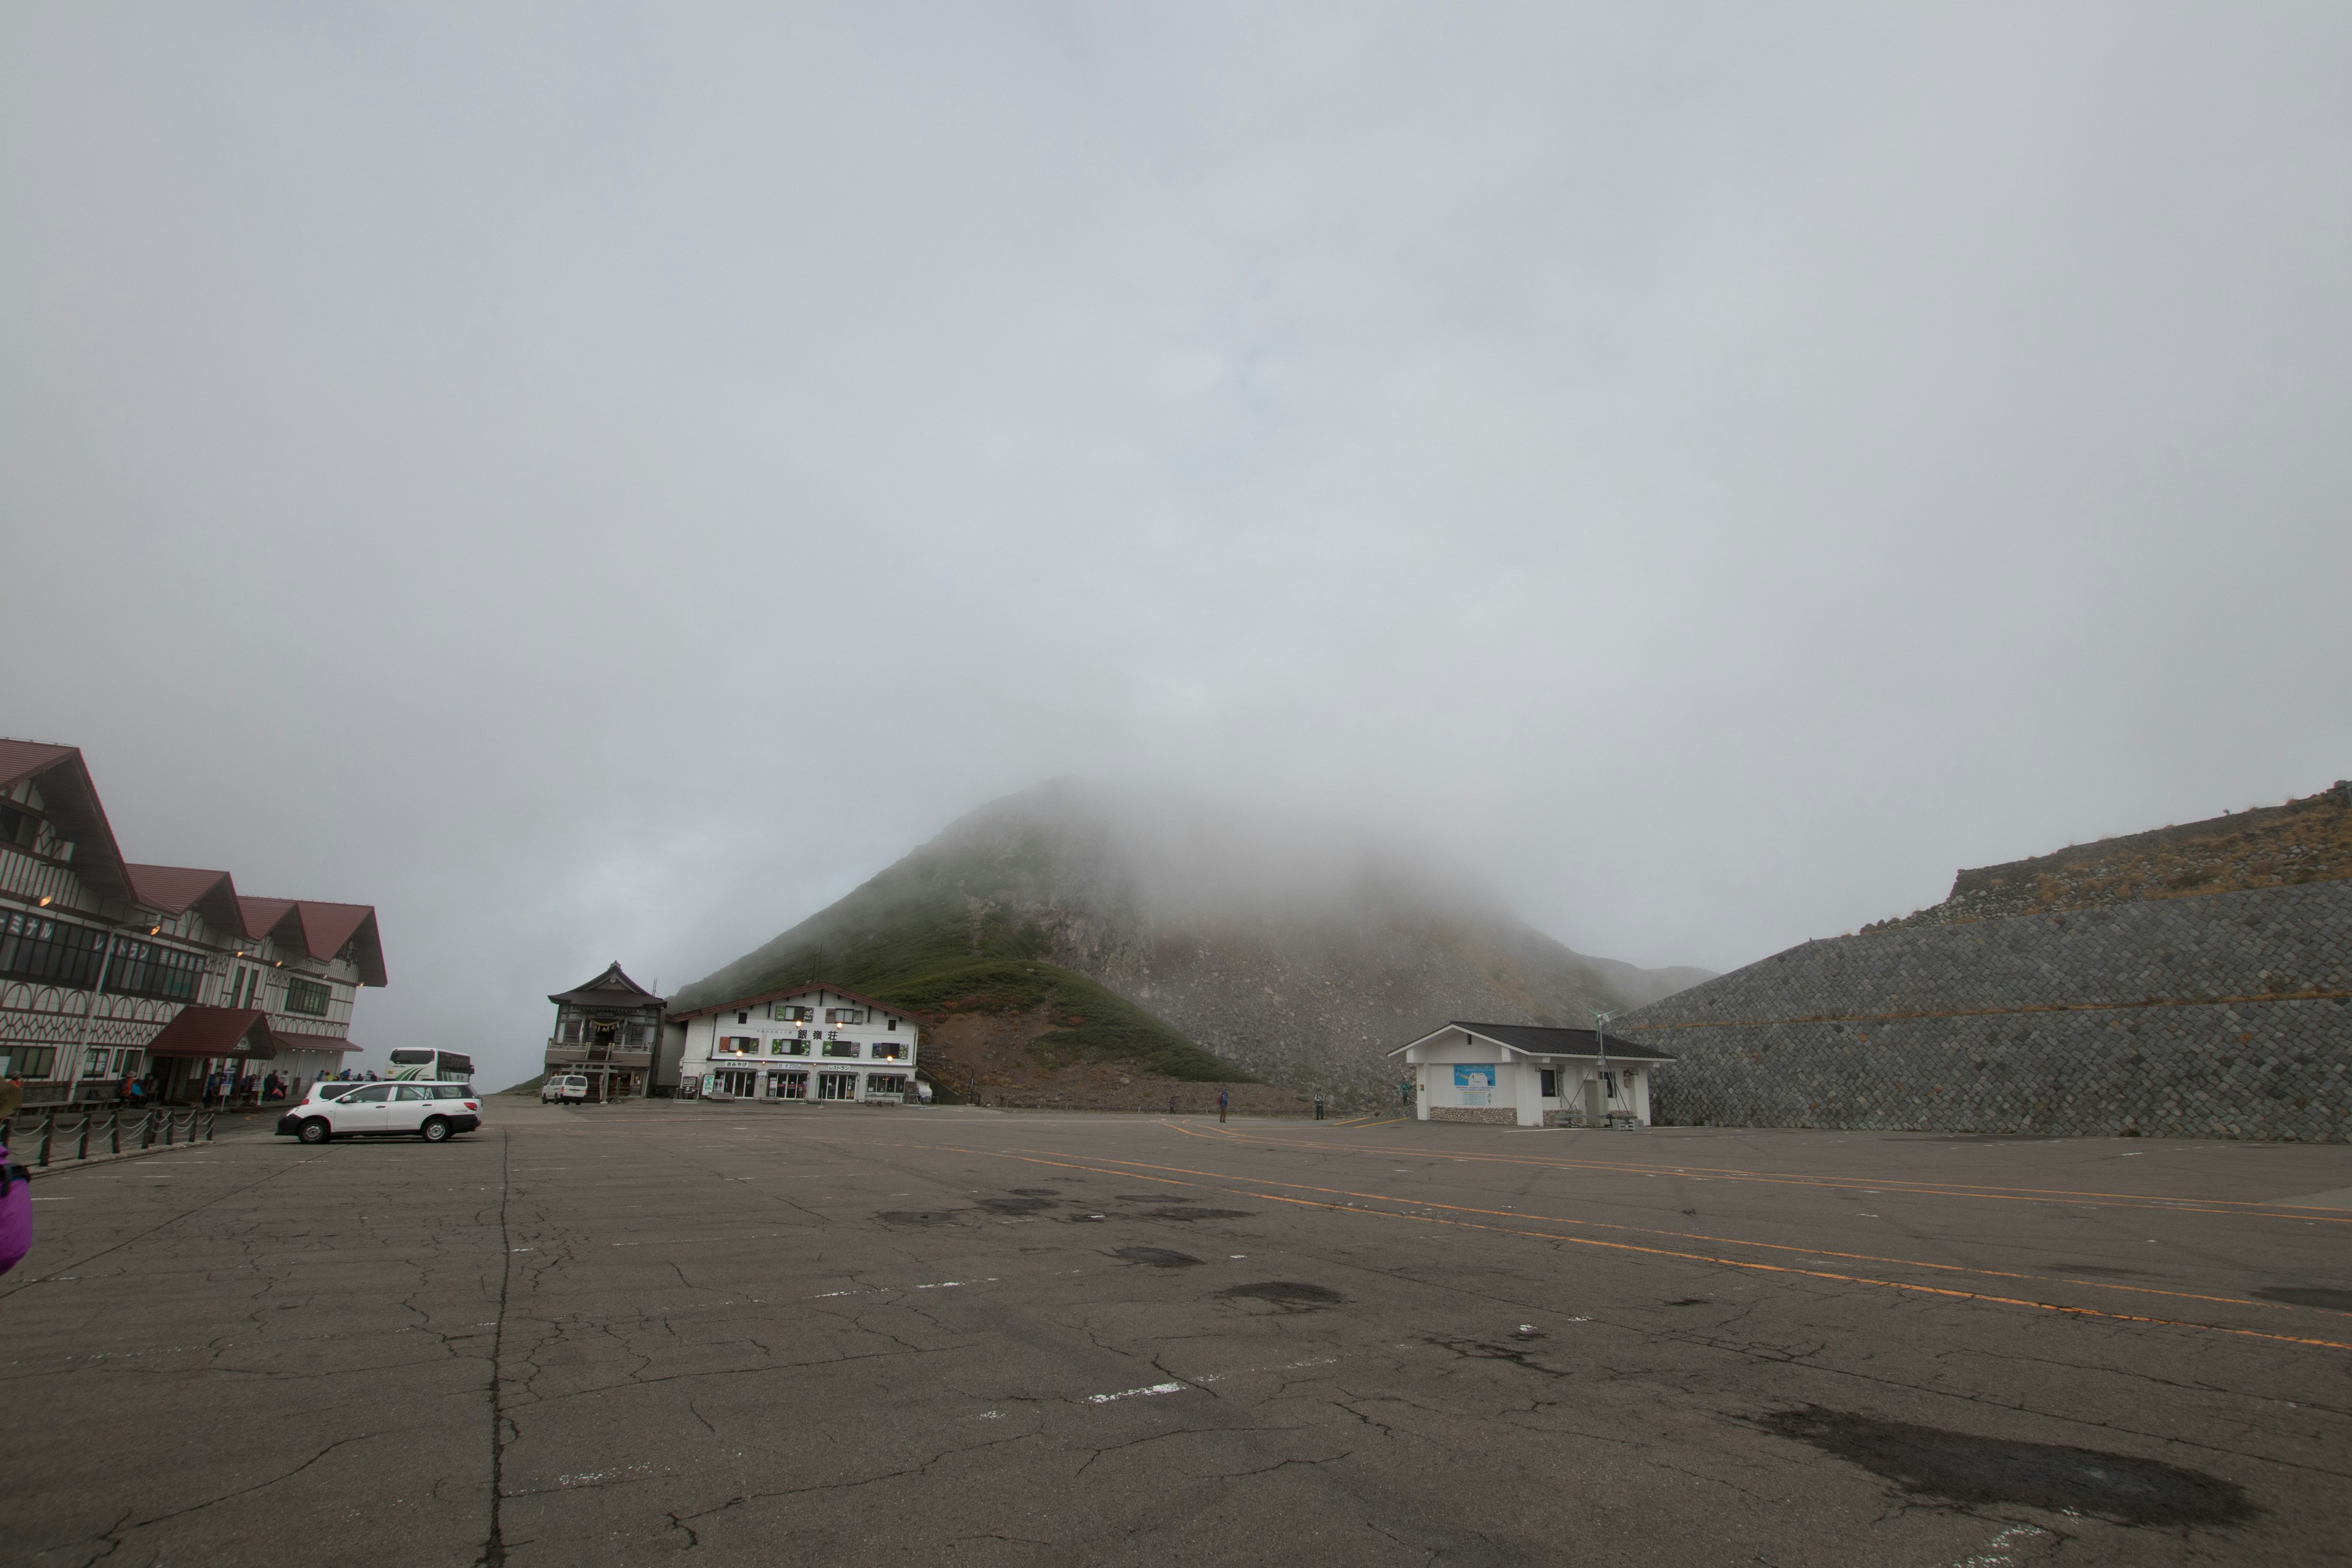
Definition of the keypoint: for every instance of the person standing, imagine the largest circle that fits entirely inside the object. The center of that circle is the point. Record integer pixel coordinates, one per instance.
(1171, 1105)
(1318, 1108)
(1221, 1099)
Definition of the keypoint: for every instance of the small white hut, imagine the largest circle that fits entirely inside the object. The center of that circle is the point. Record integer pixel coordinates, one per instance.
(1523, 1075)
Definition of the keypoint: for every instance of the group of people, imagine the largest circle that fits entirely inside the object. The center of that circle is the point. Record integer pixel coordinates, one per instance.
(224, 1087)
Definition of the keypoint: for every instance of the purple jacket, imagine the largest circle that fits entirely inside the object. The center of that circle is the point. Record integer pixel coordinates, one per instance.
(15, 1215)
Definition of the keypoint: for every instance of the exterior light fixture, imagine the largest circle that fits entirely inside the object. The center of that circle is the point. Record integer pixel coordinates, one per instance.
(45, 903)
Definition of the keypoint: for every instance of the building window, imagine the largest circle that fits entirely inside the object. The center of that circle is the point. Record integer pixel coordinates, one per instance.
(27, 1061)
(841, 1047)
(146, 969)
(845, 1014)
(739, 1044)
(885, 1083)
(32, 948)
(1550, 1083)
(307, 996)
(889, 1051)
(744, 1018)
(788, 1014)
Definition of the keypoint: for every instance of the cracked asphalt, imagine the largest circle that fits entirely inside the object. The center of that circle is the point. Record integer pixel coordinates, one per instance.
(747, 1334)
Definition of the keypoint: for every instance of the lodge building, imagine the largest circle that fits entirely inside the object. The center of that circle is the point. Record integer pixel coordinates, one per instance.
(811, 1042)
(111, 970)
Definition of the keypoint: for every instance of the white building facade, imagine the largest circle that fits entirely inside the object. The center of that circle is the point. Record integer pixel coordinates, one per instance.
(111, 970)
(817, 1044)
(1523, 1075)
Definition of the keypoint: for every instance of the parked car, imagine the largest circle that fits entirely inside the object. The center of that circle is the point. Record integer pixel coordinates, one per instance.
(433, 1112)
(569, 1087)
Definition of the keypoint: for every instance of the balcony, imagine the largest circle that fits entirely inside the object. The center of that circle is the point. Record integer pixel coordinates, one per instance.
(562, 1055)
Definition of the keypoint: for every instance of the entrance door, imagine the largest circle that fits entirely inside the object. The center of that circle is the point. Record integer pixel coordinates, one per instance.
(836, 1086)
(784, 1084)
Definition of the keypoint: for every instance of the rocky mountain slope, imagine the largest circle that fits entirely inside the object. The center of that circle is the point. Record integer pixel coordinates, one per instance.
(1190, 938)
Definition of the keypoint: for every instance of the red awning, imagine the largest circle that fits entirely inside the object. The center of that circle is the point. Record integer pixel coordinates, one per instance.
(216, 1032)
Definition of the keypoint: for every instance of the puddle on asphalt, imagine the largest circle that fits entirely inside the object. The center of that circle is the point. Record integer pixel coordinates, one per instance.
(1036, 1192)
(1184, 1211)
(2332, 1300)
(1016, 1206)
(1158, 1257)
(1291, 1294)
(1954, 1466)
(918, 1217)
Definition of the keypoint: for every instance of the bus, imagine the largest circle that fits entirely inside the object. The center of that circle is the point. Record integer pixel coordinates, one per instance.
(438, 1067)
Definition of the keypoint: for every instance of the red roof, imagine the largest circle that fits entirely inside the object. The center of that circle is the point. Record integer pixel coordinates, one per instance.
(216, 1032)
(317, 927)
(320, 929)
(23, 759)
(825, 986)
(71, 799)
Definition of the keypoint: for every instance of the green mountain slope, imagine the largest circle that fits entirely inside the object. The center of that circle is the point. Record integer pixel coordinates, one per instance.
(919, 942)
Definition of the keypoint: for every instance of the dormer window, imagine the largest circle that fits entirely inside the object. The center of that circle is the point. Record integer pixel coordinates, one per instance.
(744, 1018)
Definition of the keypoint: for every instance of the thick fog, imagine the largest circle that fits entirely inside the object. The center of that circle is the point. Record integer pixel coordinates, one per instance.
(601, 481)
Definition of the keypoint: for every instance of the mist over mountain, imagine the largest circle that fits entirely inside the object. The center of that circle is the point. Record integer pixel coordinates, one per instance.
(1192, 936)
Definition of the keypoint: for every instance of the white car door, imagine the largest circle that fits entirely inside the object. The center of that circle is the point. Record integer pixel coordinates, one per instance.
(409, 1108)
(362, 1110)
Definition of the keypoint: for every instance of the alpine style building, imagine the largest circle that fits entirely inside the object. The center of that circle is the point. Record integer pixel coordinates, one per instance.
(610, 1030)
(813, 1042)
(111, 970)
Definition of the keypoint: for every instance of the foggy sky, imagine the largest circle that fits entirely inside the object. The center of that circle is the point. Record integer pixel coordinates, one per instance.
(601, 481)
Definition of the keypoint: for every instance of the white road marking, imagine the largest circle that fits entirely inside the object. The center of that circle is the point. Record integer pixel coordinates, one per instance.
(1138, 1392)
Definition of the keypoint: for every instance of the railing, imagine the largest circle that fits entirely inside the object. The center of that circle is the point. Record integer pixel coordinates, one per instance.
(143, 1129)
(571, 1056)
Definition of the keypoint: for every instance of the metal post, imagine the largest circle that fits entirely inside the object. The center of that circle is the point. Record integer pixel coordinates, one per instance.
(171, 1127)
(81, 1144)
(48, 1125)
(208, 1127)
(114, 1133)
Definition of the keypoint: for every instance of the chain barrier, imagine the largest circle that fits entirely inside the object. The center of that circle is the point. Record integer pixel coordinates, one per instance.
(200, 1127)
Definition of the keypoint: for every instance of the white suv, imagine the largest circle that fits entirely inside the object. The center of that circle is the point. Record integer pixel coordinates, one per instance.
(570, 1086)
(432, 1111)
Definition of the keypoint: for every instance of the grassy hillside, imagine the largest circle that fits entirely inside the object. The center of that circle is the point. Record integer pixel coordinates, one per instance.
(935, 955)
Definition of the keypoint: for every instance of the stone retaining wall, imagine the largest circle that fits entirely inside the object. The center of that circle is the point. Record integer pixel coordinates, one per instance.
(1491, 1115)
(2227, 1015)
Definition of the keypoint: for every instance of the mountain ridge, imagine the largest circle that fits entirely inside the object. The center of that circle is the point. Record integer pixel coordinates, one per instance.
(1193, 937)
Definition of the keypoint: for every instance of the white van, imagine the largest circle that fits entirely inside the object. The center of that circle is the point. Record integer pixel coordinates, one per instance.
(570, 1086)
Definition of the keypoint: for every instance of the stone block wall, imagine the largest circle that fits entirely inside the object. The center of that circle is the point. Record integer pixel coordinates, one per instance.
(1489, 1115)
(2226, 1015)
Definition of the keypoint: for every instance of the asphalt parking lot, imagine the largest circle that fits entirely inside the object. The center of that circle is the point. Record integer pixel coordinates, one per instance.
(742, 1335)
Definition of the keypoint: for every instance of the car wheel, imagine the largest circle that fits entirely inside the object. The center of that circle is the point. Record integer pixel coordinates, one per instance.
(316, 1130)
(436, 1131)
